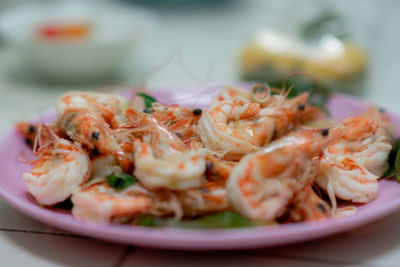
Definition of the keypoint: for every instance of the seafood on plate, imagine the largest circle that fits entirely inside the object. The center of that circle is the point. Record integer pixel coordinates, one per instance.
(259, 154)
(351, 167)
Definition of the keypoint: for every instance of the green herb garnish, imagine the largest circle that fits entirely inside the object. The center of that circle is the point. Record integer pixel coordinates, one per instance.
(394, 161)
(120, 180)
(152, 221)
(148, 100)
(226, 219)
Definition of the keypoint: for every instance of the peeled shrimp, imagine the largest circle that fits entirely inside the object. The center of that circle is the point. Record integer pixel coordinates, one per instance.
(60, 168)
(263, 184)
(343, 178)
(352, 165)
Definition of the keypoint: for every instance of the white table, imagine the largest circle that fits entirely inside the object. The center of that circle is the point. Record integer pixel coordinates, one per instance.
(208, 37)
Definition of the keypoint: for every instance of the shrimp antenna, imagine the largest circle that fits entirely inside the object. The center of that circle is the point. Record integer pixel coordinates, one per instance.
(38, 139)
(154, 70)
(50, 132)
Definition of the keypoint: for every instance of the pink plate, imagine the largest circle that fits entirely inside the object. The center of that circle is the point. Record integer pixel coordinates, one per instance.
(13, 191)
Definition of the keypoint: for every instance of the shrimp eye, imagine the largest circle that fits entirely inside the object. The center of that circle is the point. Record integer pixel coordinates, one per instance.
(209, 165)
(321, 207)
(260, 93)
(382, 110)
(28, 141)
(95, 151)
(95, 135)
(197, 112)
(179, 135)
(274, 134)
(31, 129)
(301, 107)
(324, 131)
(204, 190)
(147, 110)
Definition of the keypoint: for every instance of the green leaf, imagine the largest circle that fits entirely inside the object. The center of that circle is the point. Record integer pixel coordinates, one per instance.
(226, 219)
(151, 221)
(120, 180)
(148, 100)
(394, 161)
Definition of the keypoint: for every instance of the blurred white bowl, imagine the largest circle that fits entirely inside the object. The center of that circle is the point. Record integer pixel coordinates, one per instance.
(115, 30)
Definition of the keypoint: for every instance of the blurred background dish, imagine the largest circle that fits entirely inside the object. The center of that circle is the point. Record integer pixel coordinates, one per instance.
(74, 41)
(320, 47)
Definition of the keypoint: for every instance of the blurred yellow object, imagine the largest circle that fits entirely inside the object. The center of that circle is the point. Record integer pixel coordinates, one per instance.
(271, 56)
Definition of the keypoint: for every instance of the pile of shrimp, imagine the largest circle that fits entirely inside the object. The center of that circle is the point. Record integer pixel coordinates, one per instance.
(258, 153)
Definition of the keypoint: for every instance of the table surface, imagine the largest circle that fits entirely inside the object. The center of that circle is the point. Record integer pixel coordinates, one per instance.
(199, 46)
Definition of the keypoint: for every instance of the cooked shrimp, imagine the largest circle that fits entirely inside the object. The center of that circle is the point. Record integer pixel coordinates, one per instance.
(175, 171)
(366, 142)
(177, 119)
(110, 106)
(221, 129)
(89, 129)
(230, 94)
(104, 165)
(218, 169)
(162, 160)
(308, 206)
(237, 129)
(30, 130)
(283, 115)
(210, 197)
(101, 203)
(386, 127)
(352, 166)
(263, 184)
(125, 152)
(343, 178)
(60, 168)
(375, 156)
